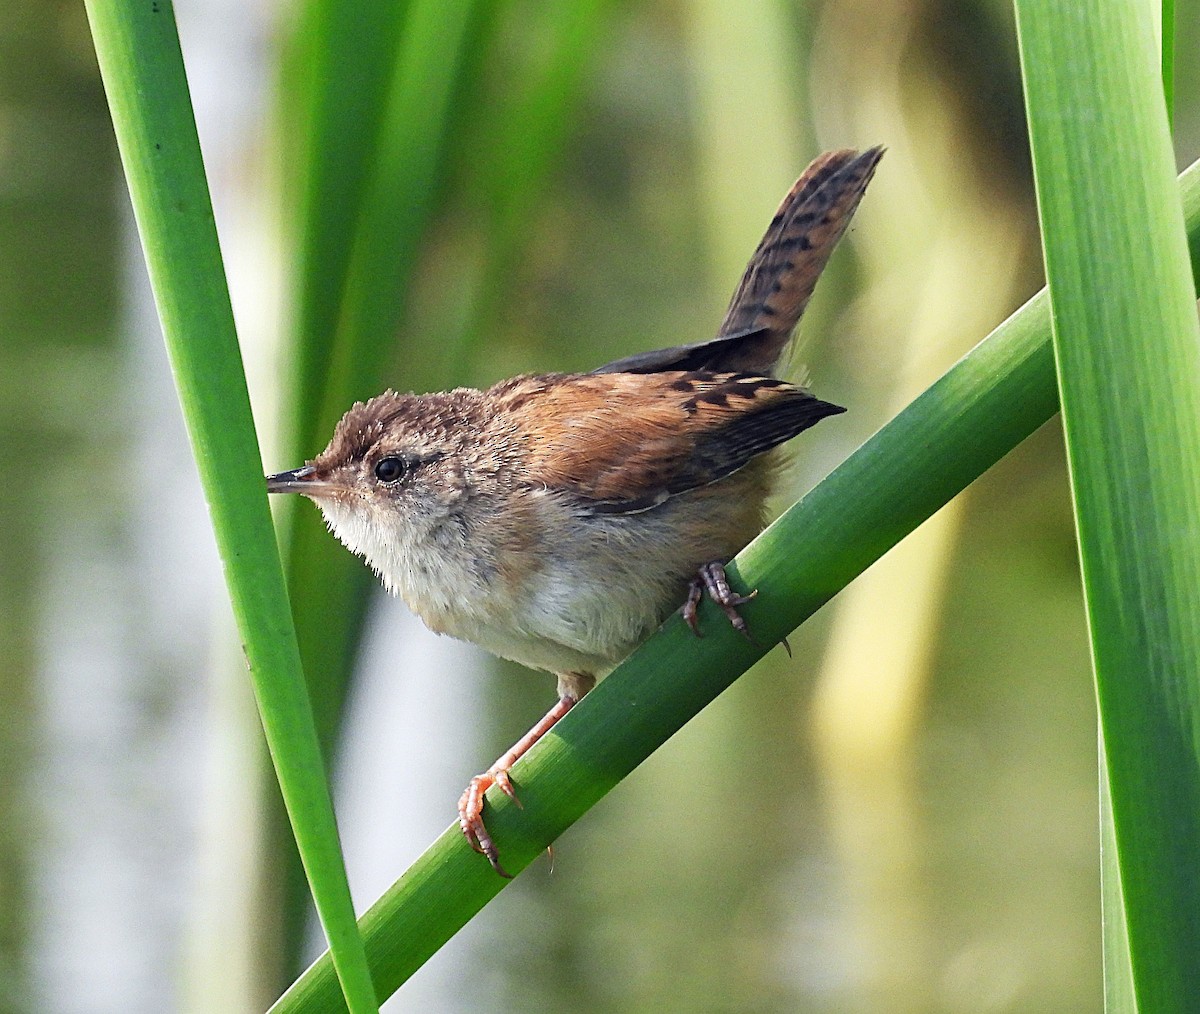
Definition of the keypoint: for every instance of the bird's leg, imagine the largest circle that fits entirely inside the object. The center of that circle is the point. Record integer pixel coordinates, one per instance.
(470, 805)
(711, 578)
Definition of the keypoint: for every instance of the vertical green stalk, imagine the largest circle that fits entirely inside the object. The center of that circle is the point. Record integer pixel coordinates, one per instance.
(1127, 347)
(524, 124)
(1118, 976)
(1167, 61)
(138, 49)
(336, 67)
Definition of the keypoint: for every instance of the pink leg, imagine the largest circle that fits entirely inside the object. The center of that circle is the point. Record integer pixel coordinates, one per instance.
(470, 805)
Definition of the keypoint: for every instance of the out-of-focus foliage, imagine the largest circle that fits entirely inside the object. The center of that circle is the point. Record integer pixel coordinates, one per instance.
(752, 863)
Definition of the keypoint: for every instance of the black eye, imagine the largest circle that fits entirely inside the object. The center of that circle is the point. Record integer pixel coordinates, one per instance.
(391, 469)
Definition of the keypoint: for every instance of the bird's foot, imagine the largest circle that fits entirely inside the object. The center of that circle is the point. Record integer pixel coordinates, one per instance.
(470, 804)
(470, 813)
(711, 579)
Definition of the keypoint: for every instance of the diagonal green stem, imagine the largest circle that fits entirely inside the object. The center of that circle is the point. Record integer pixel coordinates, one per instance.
(140, 60)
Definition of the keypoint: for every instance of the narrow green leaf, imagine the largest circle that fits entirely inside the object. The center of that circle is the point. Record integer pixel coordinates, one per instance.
(524, 125)
(1127, 344)
(1118, 976)
(336, 68)
(399, 198)
(140, 61)
(1167, 60)
(974, 415)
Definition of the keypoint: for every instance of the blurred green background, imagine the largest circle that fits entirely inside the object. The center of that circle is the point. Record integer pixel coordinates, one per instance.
(902, 816)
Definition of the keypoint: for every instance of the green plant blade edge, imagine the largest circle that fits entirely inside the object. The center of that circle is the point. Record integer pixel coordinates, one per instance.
(140, 61)
(1127, 344)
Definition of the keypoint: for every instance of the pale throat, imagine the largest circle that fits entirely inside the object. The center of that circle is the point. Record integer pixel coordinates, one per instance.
(414, 561)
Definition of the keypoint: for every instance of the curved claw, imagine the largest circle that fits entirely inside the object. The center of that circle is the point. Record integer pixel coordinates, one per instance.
(711, 579)
(501, 779)
(470, 815)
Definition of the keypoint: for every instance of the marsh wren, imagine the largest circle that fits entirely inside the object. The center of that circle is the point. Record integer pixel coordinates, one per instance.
(557, 519)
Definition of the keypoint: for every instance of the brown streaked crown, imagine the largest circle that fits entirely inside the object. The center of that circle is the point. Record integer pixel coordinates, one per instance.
(390, 418)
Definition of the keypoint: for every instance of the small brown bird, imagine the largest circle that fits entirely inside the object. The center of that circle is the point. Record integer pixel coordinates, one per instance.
(558, 519)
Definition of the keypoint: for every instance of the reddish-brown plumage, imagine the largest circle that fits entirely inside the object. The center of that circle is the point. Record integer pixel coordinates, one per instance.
(557, 519)
(634, 440)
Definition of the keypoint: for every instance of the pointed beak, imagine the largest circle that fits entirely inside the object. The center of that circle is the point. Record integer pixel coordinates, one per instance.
(298, 480)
